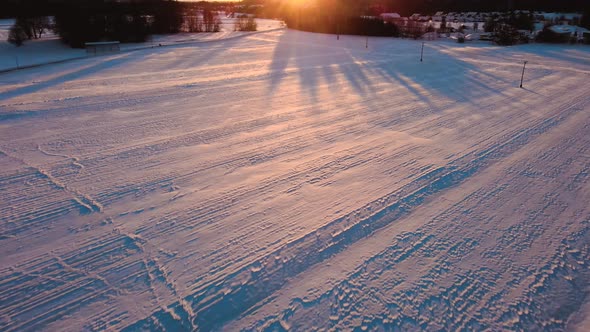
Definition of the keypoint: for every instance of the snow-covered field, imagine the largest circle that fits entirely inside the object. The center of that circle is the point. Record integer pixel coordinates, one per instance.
(50, 49)
(290, 181)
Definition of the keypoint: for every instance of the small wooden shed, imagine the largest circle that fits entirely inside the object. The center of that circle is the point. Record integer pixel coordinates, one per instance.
(95, 48)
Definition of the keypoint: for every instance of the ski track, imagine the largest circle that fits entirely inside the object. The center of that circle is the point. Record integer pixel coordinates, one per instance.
(289, 181)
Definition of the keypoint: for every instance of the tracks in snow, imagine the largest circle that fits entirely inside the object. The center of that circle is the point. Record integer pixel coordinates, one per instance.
(226, 299)
(213, 198)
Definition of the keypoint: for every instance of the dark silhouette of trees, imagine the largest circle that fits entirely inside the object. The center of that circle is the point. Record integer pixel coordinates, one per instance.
(506, 34)
(31, 20)
(490, 25)
(585, 20)
(16, 35)
(338, 17)
(194, 23)
(27, 28)
(81, 21)
(33, 26)
(26, 8)
(80, 24)
(521, 21)
(407, 7)
(277, 8)
(443, 25)
(549, 36)
(211, 21)
(245, 23)
(168, 16)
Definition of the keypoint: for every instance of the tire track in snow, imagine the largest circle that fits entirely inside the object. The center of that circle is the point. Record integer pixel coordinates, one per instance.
(222, 301)
(138, 149)
(412, 297)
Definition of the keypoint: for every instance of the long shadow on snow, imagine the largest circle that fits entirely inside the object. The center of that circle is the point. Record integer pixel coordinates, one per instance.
(203, 52)
(209, 52)
(577, 54)
(73, 75)
(314, 57)
(250, 287)
(440, 74)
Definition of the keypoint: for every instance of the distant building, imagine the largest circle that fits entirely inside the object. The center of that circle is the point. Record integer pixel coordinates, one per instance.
(438, 17)
(420, 17)
(392, 18)
(569, 31)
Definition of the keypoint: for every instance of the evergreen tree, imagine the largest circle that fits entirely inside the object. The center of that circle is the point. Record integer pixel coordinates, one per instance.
(505, 34)
(443, 24)
(585, 20)
(16, 35)
(168, 16)
(245, 23)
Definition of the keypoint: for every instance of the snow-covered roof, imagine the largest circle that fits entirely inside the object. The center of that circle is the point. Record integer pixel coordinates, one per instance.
(567, 16)
(567, 29)
(390, 15)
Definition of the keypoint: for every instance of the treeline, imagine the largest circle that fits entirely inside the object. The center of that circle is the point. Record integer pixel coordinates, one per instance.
(274, 8)
(81, 21)
(521, 21)
(355, 16)
(78, 22)
(330, 16)
(277, 8)
(428, 6)
(15, 8)
(347, 25)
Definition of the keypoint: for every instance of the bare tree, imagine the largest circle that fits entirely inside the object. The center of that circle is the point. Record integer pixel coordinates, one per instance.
(211, 21)
(194, 24)
(33, 27)
(39, 25)
(245, 23)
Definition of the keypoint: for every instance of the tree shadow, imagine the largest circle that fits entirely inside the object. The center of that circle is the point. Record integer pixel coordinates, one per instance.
(86, 70)
(441, 74)
(531, 91)
(283, 52)
(392, 60)
(315, 58)
(208, 51)
(576, 54)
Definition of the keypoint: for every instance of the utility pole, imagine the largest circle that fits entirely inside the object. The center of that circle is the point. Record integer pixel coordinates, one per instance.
(422, 53)
(522, 77)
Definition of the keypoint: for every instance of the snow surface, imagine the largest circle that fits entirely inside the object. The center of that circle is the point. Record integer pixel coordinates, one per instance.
(50, 49)
(290, 181)
(570, 29)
